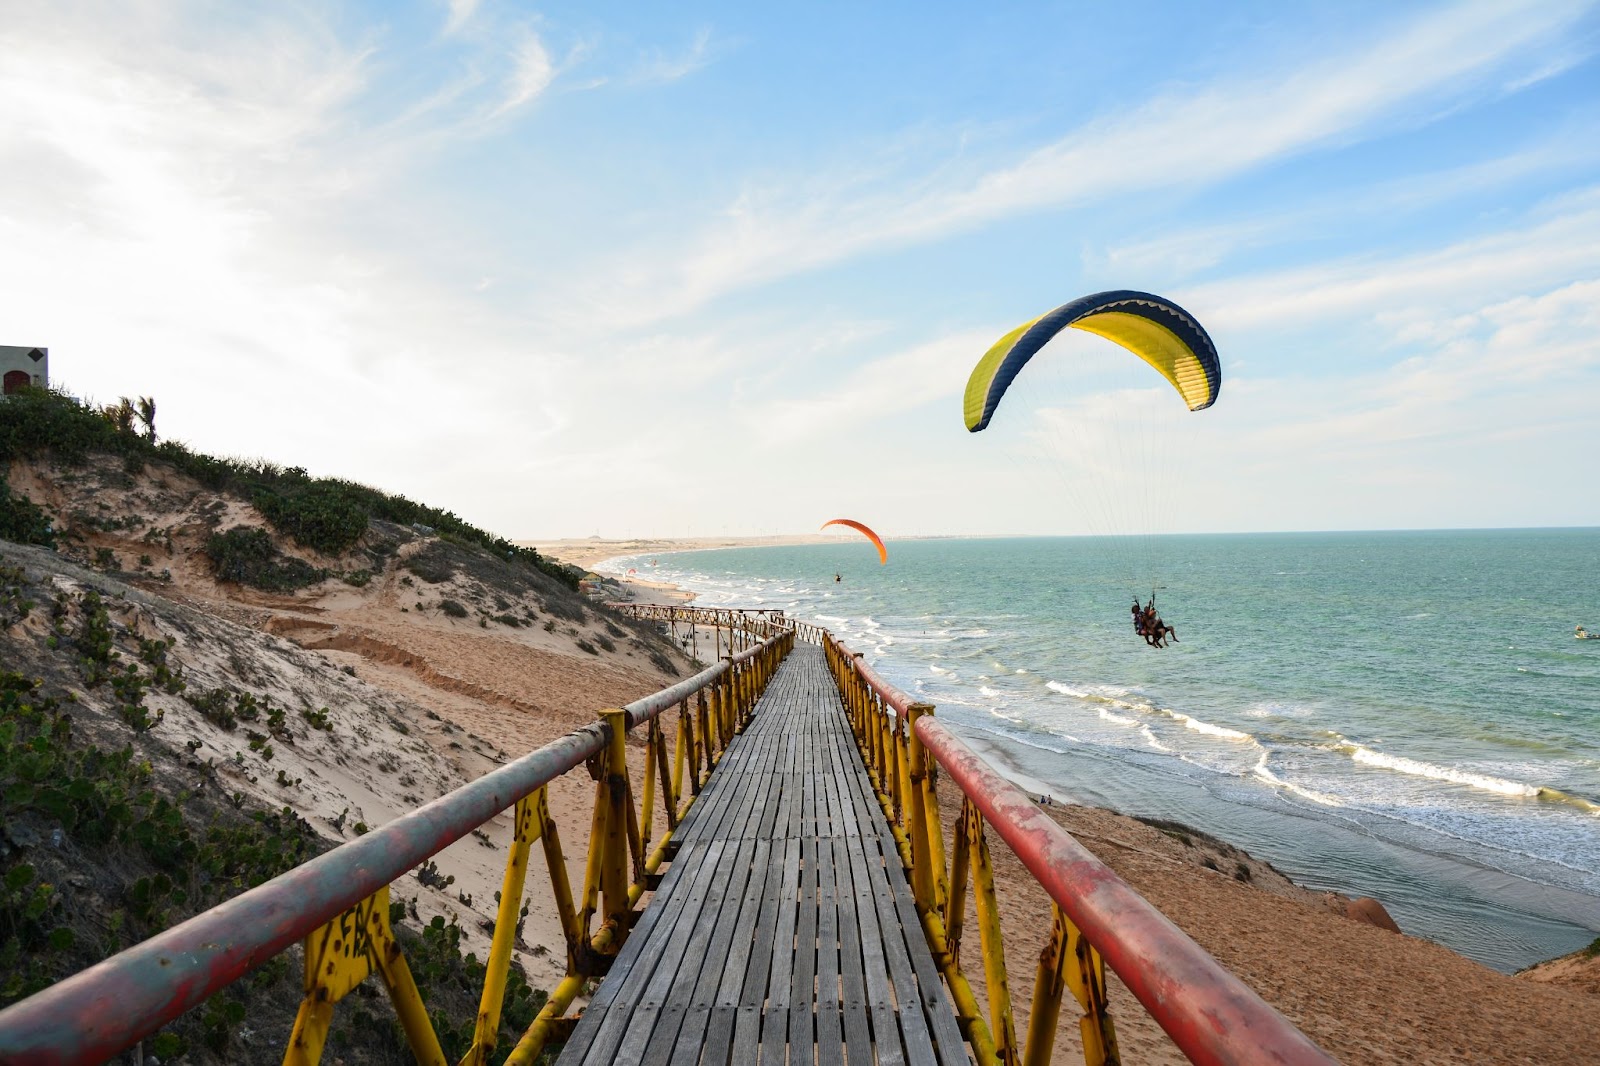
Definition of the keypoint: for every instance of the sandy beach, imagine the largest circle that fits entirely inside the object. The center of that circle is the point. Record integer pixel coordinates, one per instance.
(588, 551)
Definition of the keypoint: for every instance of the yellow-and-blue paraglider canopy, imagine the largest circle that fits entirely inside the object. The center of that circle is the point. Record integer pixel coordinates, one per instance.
(1152, 327)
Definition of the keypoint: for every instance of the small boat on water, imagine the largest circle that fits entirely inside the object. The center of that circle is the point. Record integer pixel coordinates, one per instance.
(1583, 634)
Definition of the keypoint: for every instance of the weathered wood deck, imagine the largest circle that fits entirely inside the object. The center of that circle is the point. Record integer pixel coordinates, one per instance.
(784, 930)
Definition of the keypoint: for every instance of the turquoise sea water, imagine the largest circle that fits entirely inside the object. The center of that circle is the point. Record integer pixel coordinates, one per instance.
(1402, 715)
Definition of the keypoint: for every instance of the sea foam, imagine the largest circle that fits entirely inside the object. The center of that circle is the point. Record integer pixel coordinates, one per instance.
(1208, 729)
(1417, 768)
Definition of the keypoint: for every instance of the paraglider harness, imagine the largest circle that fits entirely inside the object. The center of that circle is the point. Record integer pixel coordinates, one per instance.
(1148, 624)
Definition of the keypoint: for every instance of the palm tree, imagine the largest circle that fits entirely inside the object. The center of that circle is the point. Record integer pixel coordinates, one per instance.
(147, 415)
(120, 414)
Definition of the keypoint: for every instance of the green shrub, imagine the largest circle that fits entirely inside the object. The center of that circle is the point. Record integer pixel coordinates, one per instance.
(245, 555)
(14, 602)
(98, 800)
(321, 515)
(22, 520)
(452, 608)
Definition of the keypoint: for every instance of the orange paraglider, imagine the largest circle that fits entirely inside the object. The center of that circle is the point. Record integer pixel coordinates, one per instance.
(883, 553)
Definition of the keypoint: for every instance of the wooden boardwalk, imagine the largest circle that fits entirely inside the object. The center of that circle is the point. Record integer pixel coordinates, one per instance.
(784, 930)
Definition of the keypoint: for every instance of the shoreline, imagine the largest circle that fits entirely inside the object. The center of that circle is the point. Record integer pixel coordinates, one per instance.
(588, 552)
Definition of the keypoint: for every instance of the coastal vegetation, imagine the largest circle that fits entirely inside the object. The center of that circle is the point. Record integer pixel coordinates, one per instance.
(326, 515)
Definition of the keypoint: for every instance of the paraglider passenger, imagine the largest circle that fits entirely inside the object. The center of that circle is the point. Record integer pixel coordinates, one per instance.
(1155, 631)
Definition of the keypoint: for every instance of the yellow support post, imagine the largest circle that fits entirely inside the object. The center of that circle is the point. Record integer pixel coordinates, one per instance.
(338, 957)
(669, 797)
(614, 842)
(902, 776)
(593, 861)
(680, 752)
(647, 815)
(533, 1041)
(691, 746)
(719, 716)
(924, 873)
(889, 772)
(561, 886)
(707, 734)
(1085, 974)
(528, 823)
(994, 952)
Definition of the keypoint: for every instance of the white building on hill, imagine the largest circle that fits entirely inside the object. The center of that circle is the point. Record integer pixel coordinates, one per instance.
(21, 366)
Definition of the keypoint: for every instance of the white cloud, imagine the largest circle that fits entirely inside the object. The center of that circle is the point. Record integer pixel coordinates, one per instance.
(659, 68)
(460, 13)
(1562, 243)
(174, 215)
(1176, 252)
(1489, 414)
(531, 75)
(1189, 136)
(874, 391)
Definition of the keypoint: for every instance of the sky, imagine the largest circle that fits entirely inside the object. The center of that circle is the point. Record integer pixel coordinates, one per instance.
(703, 269)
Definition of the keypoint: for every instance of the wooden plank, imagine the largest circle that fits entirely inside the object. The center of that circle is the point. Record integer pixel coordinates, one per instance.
(583, 1034)
(908, 1000)
(633, 957)
(802, 995)
(936, 1005)
(775, 1016)
(747, 1023)
(852, 970)
(830, 1017)
(702, 957)
(725, 1004)
(629, 1009)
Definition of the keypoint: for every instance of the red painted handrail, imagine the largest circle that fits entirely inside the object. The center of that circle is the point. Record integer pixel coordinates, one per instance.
(1211, 1015)
(892, 697)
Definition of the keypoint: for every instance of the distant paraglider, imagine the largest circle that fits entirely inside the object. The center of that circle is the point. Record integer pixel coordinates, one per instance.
(883, 553)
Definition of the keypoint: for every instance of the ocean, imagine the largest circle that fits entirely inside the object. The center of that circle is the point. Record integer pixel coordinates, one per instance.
(1402, 715)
